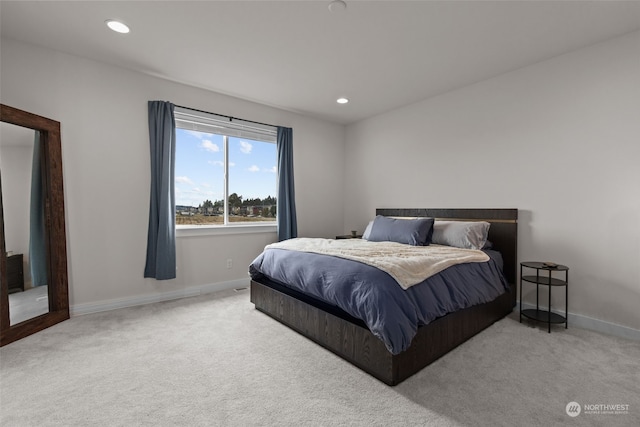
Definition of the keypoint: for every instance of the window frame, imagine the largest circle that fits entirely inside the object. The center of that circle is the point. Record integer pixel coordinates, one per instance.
(189, 119)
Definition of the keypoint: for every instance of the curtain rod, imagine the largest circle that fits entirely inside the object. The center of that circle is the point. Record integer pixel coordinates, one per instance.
(231, 118)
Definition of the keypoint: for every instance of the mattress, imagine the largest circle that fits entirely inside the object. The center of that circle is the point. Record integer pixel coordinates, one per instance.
(391, 313)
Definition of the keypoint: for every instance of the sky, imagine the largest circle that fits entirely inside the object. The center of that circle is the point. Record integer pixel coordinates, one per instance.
(200, 168)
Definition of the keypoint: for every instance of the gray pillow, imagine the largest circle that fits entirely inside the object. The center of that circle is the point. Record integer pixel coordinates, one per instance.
(416, 232)
(461, 234)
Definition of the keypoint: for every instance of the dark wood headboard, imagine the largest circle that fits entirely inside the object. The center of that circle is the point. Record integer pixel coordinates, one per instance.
(503, 232)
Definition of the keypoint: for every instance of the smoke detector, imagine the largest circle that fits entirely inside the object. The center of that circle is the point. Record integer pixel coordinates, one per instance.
(337, 6)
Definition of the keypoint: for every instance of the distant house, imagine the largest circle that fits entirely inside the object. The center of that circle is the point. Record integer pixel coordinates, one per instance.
(186, 210)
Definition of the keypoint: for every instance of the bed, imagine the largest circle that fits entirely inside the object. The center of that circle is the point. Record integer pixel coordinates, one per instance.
(350, 338)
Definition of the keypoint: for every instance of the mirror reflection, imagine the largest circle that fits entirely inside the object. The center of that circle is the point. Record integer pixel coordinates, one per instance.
(23, 203)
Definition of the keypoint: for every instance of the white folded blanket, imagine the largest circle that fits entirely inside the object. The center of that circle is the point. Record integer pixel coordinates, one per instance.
(408, 265)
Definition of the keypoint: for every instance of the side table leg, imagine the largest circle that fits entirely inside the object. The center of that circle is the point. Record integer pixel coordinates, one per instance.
(566, 299)
(549, 311)
(520, 293)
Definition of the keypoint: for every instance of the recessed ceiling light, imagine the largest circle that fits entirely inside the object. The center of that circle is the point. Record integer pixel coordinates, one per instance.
(342, 100)
(117, 26)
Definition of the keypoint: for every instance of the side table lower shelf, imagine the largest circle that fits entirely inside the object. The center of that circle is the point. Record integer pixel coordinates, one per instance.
(543, 316)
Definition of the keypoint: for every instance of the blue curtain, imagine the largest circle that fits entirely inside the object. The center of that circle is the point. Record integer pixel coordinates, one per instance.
(286, 202)
(161, 240)
(37, 247)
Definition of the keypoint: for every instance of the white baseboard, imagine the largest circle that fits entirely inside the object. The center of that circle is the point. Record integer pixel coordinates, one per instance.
(81, 309)
(590, 323)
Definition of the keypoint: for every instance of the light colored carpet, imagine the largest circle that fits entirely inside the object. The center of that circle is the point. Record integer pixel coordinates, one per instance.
(215, 361)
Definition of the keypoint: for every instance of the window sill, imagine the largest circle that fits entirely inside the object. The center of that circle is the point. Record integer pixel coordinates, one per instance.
(216, 230)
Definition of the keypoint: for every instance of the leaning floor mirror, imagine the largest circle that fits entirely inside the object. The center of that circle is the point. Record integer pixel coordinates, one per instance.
(33, 263)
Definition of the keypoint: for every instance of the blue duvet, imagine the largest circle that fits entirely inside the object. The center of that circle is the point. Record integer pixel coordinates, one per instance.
(367, 293)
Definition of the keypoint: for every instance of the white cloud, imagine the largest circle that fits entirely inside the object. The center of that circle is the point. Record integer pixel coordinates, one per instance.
(254, 168)
(196, 134)
(184, 180)
(246, 147)
(209, 146)
(220, 163)
(273, 170)
(195, 196)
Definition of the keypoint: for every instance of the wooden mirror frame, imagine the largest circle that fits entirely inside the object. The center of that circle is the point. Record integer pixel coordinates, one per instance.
(55, 235)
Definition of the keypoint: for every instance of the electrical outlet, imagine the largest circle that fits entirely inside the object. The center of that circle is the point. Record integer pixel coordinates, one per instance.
(229, 263)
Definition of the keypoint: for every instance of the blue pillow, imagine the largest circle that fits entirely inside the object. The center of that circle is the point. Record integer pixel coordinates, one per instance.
(416, 232)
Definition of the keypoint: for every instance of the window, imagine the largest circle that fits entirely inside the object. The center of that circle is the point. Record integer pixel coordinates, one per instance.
(225, 170)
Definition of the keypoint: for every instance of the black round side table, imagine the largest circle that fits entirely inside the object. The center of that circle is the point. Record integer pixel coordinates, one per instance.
(543, 276)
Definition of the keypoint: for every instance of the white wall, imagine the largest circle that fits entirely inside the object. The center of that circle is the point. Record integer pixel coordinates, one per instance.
(559, 140)
(103, 115)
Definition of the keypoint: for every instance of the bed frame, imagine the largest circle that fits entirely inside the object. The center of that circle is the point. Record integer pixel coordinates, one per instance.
(350, 339)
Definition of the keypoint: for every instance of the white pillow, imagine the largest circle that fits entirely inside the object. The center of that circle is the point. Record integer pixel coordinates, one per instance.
(461, 234)
(367, 231)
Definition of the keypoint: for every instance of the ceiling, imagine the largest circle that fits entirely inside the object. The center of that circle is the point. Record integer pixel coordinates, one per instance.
(299, 56)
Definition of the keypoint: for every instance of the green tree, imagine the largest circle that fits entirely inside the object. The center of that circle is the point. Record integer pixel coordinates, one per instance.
(235, 201)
